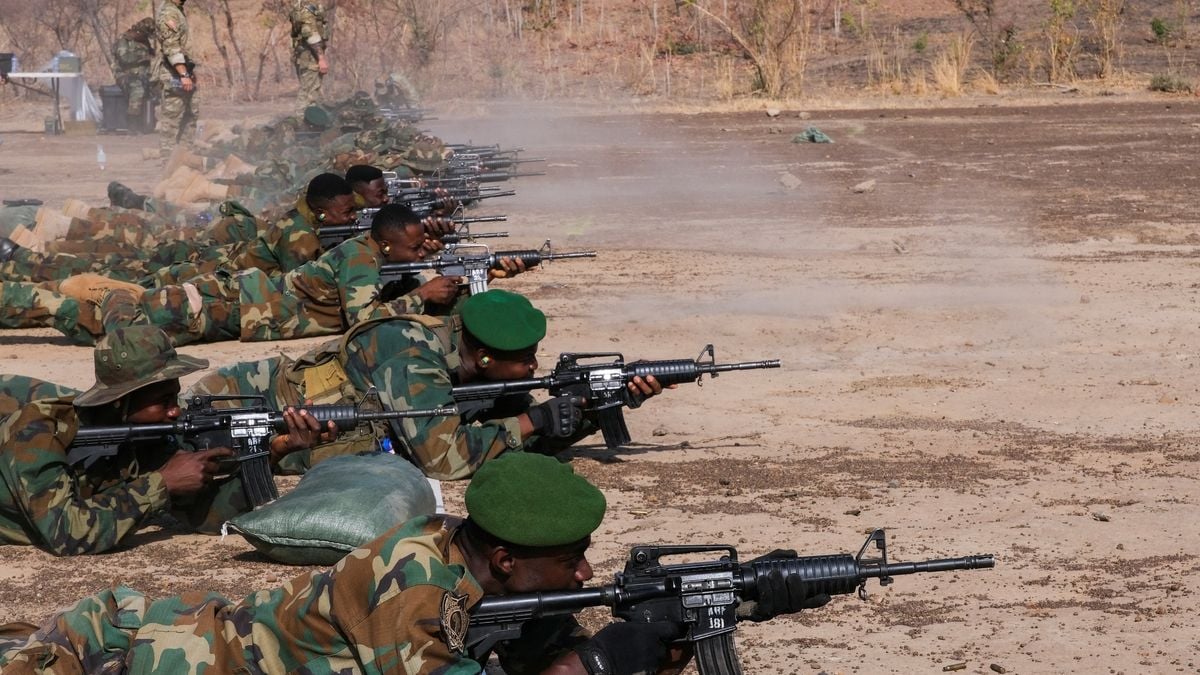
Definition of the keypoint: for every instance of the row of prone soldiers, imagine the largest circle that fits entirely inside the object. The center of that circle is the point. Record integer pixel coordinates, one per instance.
(403, 602)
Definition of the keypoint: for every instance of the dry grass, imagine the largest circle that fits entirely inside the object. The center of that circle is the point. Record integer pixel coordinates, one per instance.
(951, 65)
(985, 82)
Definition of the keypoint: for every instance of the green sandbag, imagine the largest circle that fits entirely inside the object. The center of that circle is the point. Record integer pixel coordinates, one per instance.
(339, 505)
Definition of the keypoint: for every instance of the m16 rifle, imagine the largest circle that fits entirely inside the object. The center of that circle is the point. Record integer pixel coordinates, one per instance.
(245, 430)
(332, 235)
(601, 378)
(471, 261)
(702, 597)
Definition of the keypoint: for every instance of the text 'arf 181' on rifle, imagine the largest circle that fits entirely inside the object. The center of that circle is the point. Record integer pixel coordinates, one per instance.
(245, 430)
(601, 378)
(707, 599)
(470, 261)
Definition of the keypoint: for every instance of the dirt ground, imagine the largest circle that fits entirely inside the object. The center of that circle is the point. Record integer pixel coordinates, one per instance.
(988, 348)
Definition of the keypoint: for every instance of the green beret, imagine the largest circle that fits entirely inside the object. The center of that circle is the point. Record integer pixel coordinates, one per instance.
(503, 320)
(533, 500)
(318, 117)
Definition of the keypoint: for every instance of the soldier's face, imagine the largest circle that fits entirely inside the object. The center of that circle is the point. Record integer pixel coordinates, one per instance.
(374, 193)
(510, 365)
(405, 244)
(154, 404)
(340, 210)
(554, 569)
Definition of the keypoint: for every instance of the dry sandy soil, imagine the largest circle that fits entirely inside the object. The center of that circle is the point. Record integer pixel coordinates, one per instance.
(991, 350)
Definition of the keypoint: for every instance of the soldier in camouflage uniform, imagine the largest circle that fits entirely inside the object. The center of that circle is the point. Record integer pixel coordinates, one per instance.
(413, 362)
(133, 55)
(399, 605)
(70, 501)
(174, 71)
(370, 188)
(323, 297)
(310, 35)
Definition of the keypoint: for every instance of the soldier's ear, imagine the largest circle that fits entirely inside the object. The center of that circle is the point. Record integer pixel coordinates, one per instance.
(502, 562)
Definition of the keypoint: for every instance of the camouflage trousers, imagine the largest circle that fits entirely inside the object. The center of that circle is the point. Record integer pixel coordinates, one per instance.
(94, 636)
(25, 305)
(176, 119)
(310, 78)
(203, 310)
(136, 85)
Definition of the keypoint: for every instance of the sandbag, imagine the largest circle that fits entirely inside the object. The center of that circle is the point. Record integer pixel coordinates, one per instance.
(339, 505)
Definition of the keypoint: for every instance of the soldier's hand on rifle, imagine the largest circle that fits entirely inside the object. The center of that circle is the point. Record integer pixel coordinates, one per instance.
(559, 417)
(626, 647)
(509, 267)
(436, 227)
(186, 473)
(779, 595)
(322, 64)
(303, 431)
(446, 203)
(440, 290)
(642, 389)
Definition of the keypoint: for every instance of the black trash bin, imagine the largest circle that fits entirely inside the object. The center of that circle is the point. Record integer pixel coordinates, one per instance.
(116, 108)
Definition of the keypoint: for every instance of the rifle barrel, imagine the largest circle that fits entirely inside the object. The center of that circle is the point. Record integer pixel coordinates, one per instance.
(745, 365)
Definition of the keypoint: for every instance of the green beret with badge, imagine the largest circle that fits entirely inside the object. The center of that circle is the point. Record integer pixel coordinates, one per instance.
(533, 500)
(503, 320)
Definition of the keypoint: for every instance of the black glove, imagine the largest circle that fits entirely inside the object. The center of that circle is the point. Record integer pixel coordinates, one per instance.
(625, 648)
(779, 595)
(559, 417)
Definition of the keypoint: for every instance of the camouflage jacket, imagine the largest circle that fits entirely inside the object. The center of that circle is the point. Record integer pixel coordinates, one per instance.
(131, 55)
(308, 24)
(18, 390)
(70, 510)
(413, 361)
(322, 297)
(285, 245)
(400, 604)
(171, 34)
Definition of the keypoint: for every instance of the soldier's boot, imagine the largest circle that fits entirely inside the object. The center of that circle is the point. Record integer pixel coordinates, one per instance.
(8, 248)
(183, 156)
(174, 183)
(203, 190)
(121, 196)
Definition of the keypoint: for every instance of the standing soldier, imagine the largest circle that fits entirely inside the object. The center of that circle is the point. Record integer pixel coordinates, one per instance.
(309, 35)
(132, 55)
(176, 75)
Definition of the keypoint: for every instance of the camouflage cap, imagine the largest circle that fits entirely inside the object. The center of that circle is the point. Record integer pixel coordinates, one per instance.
(426, 155)
(533, 500)
(503, 320)
(128, 359)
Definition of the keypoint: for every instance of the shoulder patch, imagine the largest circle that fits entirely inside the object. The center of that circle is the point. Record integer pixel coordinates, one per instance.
(454, 621)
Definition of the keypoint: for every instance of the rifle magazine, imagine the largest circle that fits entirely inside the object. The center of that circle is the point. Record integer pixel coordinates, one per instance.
(717, 655)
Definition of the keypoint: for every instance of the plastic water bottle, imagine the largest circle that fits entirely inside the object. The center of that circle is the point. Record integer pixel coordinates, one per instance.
(101, 158)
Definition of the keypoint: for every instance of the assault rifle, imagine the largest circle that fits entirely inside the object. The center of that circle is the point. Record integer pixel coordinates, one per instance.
(480, 163)
(247, 431)
(473, 265)
(603, 382)
(702, 597)
(332, 235)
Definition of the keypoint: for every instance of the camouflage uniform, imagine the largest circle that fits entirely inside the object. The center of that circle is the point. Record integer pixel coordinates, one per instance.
(309, 32)
(70, 510)
(178, 111)
(27, 305)
(411, 362)
(323, 297)
(132, 57)
(17, 390)
(398, 605)
(72, 505)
